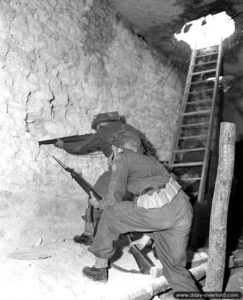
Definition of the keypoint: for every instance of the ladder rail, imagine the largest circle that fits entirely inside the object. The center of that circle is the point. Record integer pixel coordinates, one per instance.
(207, 151)
(206, 112)
(205, 167)
(210, 112)
(183, 105)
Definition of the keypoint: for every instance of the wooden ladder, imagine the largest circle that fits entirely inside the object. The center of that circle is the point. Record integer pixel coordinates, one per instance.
(191, 149)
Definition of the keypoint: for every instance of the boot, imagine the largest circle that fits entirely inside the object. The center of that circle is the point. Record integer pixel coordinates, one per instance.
(85, 239)
(96, 274)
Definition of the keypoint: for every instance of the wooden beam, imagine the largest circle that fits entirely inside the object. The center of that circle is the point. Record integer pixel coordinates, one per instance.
(219, 211)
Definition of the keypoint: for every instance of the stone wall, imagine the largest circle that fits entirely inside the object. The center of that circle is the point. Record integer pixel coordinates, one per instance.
(62, 62)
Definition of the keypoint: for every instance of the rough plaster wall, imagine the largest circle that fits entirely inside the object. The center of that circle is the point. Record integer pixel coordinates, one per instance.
(145, 91)
(62, 62)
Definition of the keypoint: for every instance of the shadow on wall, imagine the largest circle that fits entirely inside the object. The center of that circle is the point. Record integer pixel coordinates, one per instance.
(233, 101)
(235, 212)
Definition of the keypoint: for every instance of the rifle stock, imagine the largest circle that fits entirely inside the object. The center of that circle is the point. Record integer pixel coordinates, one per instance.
(144, 263)
(66, 139)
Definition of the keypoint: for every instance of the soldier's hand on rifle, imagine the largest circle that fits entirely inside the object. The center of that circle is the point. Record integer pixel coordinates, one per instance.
(59, 143)
(93, 201)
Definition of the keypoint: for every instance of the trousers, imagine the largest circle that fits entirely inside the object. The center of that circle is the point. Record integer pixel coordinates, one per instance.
(170, 225)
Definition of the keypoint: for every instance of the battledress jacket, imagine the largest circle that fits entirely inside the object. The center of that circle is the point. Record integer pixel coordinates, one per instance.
(98, 141)
(133, 172)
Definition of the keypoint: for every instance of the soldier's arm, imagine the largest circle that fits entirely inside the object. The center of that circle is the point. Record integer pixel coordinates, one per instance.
(118, 183)
(89, 145)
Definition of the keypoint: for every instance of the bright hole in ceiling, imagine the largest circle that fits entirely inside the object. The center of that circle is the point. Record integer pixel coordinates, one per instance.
(207, 31)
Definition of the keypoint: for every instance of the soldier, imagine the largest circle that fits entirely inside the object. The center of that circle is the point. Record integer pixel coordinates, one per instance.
(105, 124)
(161, 208)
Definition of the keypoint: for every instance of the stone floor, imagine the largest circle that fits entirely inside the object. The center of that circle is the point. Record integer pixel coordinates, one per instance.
(53, 271)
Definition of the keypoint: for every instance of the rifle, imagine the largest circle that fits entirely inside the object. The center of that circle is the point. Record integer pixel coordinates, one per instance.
(144, 263)
(66, 139)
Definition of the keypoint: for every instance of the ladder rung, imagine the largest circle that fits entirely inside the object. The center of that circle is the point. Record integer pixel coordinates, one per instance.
(205, 63)
(189, 150)
(207, 111)
(192, 137)
(190, 164)
(207, 48)
(209, 80)
(207, 54)
(195, 124)
(200, 91)
(191, 178)
(193, 109)
(203, 72)
(204, 55)
(199, 101)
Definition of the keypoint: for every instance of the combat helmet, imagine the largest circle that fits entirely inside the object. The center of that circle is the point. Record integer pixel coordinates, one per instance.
(126, 140)
(105, 117)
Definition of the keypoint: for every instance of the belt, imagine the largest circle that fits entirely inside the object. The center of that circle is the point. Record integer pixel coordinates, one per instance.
(161, 197)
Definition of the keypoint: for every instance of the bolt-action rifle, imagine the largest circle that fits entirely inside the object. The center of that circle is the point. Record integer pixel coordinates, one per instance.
(66, 139)
(144, 263)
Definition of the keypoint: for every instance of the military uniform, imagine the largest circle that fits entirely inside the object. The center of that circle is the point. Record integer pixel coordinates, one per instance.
(98, 142)
(101, 187)
(160, 207)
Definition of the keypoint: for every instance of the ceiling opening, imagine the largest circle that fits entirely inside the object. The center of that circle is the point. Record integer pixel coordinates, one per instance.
(207, 31)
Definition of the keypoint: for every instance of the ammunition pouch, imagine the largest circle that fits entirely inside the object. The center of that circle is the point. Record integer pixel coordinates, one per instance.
(159, 197)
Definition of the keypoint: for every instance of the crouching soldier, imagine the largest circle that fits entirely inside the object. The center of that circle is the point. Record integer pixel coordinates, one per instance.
(105, 125)
(161, 208)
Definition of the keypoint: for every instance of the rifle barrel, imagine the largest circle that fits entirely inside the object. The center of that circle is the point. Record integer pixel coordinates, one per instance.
(80, 180)
(66, 139)
(85, 185)
(47, 142)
